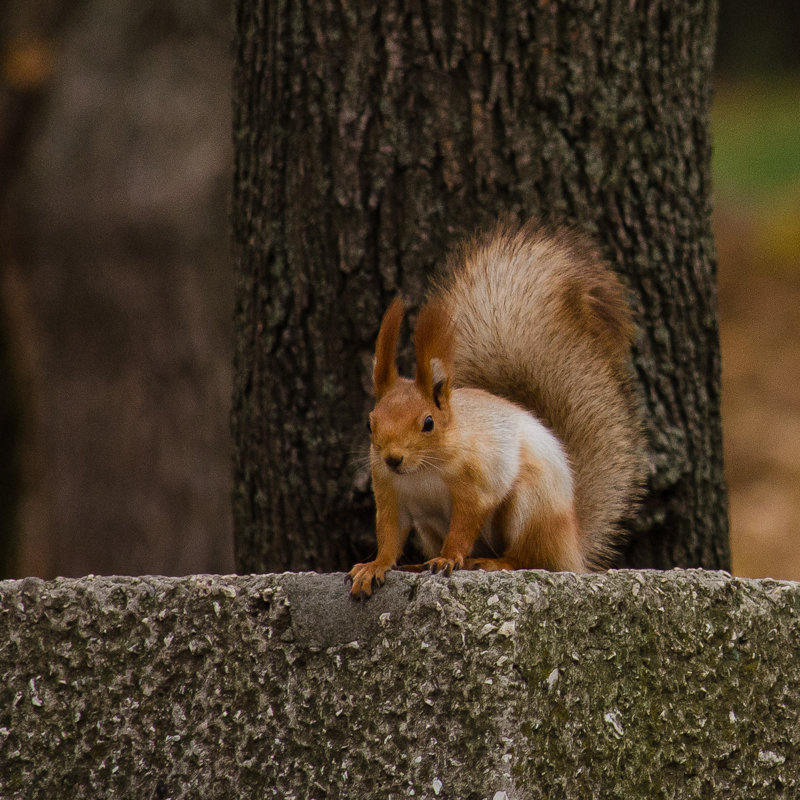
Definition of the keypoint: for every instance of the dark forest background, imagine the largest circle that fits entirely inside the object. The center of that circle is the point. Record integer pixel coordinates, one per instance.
(116, 285)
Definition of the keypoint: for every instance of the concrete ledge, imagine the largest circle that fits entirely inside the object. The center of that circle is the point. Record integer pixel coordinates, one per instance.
(523, 685)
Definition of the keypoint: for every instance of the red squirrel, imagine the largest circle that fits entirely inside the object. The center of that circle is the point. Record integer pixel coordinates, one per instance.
(518, 443)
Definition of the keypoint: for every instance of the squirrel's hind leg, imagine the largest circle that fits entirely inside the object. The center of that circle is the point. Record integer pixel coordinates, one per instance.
(550, 542)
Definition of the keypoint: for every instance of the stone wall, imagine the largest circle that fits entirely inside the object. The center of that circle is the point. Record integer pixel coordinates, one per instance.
(513, 685)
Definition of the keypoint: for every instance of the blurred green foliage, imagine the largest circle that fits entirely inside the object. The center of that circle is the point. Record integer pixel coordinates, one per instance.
(756, 171)
(756, 133)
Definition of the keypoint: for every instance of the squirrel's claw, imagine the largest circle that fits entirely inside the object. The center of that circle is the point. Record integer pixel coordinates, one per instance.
(365, 578)
(444, 565)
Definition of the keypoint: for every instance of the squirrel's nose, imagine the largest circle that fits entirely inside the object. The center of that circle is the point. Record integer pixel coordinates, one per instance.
(393, 462)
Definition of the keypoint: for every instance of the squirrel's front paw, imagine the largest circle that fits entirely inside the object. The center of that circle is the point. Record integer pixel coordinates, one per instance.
(365, 579)
(445, 565)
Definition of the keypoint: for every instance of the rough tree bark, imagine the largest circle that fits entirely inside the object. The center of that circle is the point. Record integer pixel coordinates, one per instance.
(368, 137)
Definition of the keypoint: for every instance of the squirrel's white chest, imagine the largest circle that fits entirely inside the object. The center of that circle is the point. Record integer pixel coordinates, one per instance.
(424, 501)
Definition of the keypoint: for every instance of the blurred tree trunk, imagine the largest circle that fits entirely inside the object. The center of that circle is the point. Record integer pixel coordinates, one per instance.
(368, 138)
(115, 284)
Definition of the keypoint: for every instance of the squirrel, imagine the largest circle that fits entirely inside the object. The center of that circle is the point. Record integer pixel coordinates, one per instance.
(518, 444)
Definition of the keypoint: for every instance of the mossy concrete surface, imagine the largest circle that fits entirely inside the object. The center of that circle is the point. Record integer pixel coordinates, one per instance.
(682, 684)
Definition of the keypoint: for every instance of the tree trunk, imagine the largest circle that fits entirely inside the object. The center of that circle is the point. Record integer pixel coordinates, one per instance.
(115, 284)
(368, 138)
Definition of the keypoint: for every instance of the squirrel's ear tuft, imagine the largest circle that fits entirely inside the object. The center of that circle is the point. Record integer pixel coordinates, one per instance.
(384, 370)
(433, 344)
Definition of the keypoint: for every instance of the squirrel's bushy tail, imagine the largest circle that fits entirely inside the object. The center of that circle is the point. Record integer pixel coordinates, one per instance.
(541, 319)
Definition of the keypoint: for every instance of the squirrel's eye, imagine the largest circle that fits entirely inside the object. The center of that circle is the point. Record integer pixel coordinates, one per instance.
(427, 425)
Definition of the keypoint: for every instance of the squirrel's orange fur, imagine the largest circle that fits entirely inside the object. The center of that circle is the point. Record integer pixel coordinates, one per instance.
(518, 443)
